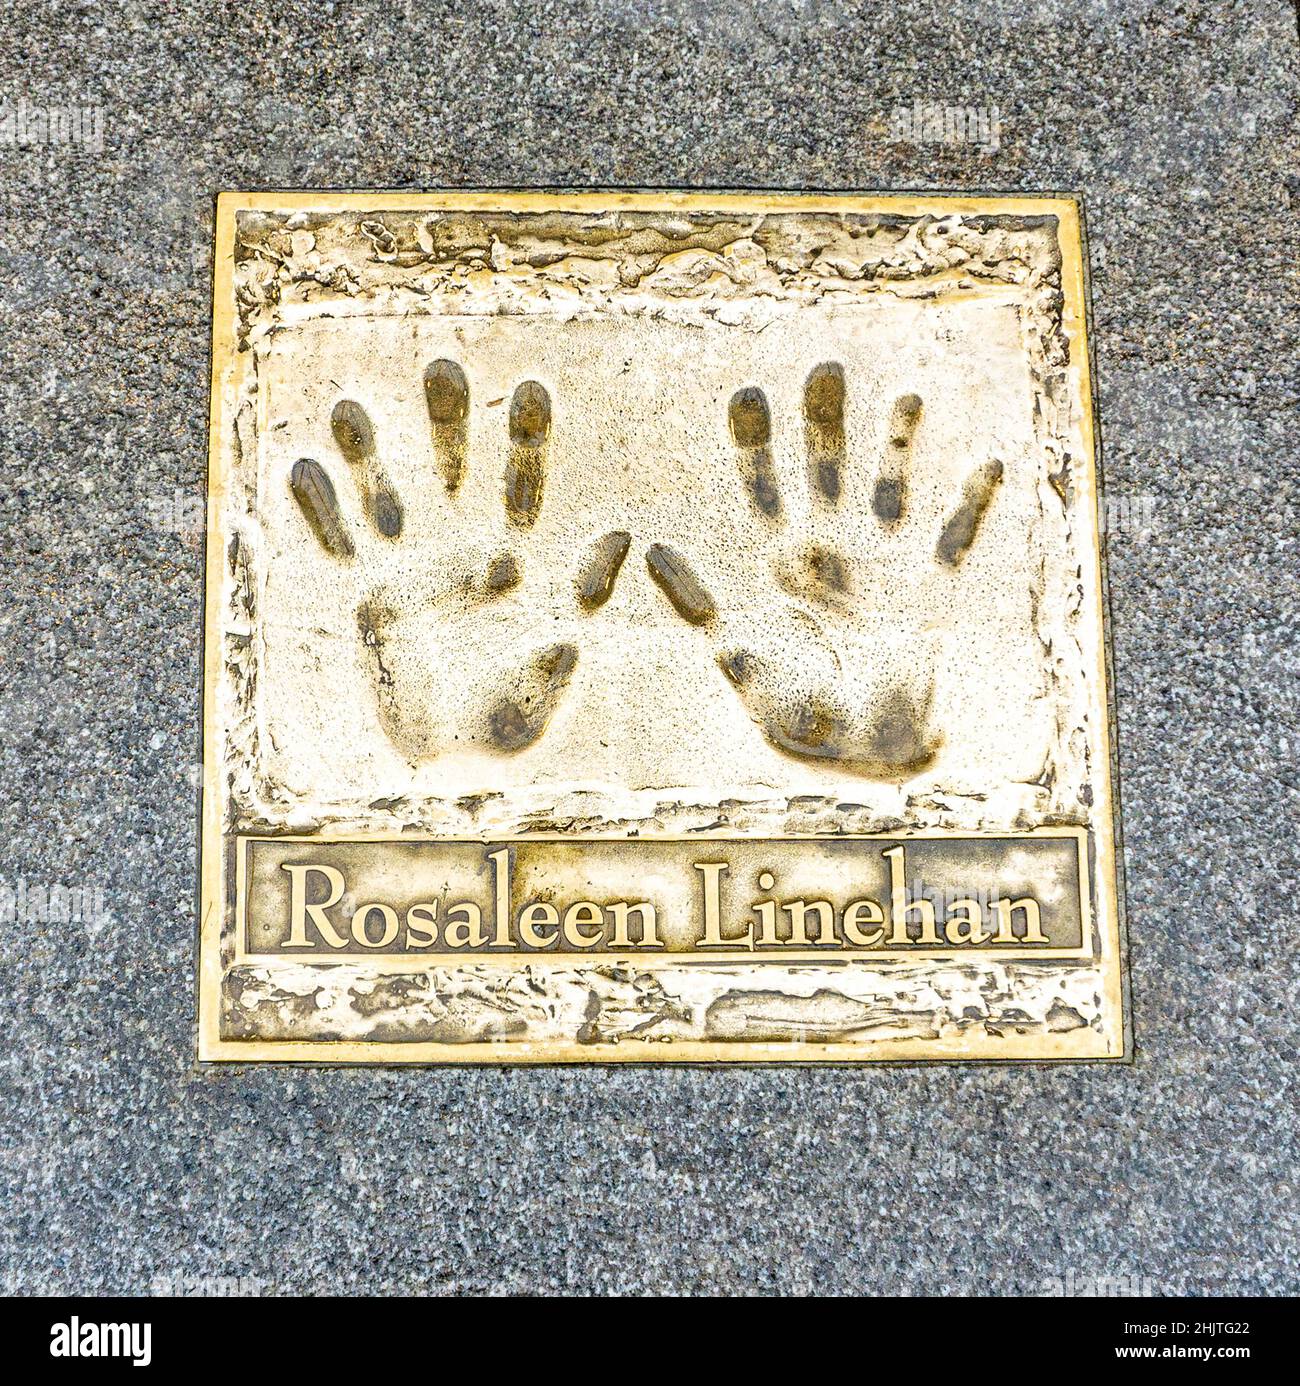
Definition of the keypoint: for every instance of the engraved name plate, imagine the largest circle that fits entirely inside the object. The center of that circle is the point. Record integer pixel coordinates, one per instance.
(655, 627)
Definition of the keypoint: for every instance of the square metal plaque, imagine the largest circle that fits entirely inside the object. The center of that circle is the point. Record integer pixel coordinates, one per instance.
(655, 627)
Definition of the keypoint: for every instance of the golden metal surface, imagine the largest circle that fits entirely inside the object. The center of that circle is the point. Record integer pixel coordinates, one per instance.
(654, 627)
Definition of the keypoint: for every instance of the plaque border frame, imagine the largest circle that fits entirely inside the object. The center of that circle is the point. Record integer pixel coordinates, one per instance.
(1107, 875)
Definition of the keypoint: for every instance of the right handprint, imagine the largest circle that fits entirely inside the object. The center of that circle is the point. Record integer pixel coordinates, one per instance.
(840, 664)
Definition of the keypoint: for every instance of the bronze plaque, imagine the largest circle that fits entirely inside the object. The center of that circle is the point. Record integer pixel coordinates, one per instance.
(655, 626)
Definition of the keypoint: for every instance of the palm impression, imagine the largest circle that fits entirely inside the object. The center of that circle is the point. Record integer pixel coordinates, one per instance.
(459, 598)
(834, 649)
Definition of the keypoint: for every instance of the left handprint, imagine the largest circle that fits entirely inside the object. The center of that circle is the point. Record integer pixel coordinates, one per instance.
(450, 623)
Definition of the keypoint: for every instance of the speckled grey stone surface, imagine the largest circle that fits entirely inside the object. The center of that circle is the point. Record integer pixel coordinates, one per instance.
(124, 1164)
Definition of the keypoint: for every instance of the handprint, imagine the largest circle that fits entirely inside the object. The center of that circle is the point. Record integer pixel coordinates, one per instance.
(839, 664)
(456, 658)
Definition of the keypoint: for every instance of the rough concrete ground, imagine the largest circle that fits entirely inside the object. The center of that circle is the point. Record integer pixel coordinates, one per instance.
(124, 1164)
